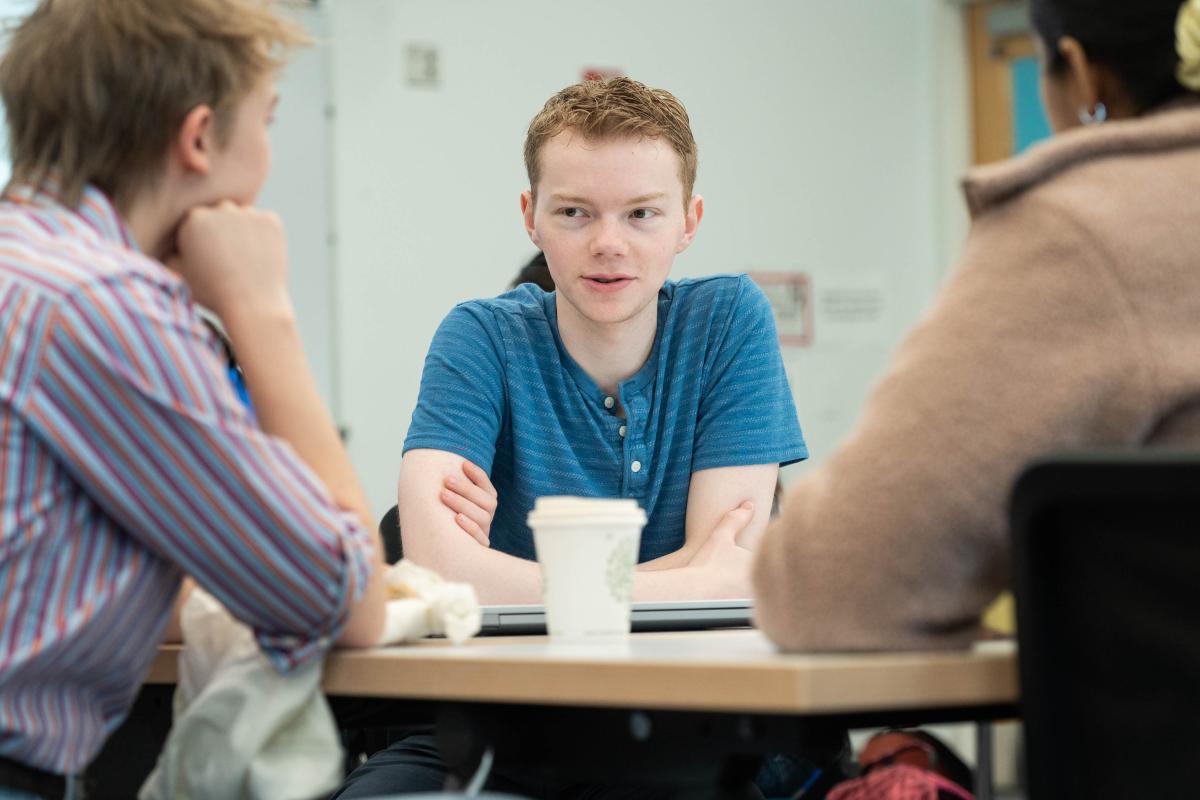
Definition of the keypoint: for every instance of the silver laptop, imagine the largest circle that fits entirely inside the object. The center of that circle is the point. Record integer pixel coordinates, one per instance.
(691, 615)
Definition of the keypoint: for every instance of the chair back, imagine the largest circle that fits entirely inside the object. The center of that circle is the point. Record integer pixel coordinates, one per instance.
(389, 530)
(1106, 557)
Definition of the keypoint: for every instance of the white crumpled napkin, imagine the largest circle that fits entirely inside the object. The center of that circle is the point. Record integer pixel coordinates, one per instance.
(426, 605)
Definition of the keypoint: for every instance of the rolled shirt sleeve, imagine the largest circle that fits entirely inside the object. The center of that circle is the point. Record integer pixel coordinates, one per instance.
(132, 397)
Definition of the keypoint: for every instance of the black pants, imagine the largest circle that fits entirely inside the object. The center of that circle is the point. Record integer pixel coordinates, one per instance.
(21, 780)
(413, 763)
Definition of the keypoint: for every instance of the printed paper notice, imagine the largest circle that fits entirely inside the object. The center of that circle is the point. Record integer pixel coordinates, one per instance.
(790, 295)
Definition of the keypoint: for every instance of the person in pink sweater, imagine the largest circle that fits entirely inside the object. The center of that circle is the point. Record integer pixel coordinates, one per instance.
(1072, 320)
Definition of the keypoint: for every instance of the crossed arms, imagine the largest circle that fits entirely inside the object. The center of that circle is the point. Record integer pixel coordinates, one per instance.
(728, 509)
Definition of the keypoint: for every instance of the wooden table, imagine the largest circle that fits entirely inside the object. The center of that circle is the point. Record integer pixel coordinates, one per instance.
(678, 709)
(726, 671)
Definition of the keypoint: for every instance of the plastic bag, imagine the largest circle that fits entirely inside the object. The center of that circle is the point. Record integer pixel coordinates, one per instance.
(241, 729)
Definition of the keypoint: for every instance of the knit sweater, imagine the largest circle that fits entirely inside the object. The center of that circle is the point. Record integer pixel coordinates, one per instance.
(1071, 321)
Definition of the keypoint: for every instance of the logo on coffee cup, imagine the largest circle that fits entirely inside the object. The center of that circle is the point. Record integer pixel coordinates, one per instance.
(620, 576)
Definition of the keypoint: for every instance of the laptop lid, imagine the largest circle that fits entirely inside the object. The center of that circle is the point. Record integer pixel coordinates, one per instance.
(690, 615)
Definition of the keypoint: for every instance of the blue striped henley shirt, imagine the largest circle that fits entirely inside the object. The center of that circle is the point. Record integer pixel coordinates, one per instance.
(501, 390)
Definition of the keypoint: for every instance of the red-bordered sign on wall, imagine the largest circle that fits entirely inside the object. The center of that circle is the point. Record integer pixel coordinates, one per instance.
(791, 298)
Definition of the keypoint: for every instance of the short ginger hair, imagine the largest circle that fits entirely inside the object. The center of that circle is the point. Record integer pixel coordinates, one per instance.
(610, 108)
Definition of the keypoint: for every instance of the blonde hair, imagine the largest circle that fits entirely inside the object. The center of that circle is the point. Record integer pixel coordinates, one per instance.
(614, 107)
(1187, 44)
(95, 90)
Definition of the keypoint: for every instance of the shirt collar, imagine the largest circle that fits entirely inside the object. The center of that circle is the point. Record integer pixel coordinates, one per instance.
(635, 383)
(1174, 126)
(94, 215)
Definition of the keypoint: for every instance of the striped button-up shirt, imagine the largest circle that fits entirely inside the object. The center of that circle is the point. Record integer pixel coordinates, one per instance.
(127, 461)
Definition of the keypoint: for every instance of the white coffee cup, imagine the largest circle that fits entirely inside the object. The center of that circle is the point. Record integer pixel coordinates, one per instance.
(587, 549)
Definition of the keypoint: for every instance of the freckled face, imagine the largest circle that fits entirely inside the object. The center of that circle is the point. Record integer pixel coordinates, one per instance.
(610, 217)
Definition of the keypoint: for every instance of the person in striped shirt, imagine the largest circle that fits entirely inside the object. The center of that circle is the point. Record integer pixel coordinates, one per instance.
(138, 133)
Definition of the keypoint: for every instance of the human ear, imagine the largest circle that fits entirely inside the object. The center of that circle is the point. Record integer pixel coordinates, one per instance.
(1083, 80)
(194, 144)
(527, 205)
(691, 221)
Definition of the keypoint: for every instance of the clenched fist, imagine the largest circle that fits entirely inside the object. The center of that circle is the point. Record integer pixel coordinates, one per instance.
(233, 258)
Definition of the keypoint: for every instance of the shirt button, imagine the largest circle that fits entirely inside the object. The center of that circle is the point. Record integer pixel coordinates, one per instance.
(609, 402)
(621, 430)
(636, 466)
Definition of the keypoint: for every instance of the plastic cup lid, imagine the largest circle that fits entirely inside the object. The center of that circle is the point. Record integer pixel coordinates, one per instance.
(586, 509)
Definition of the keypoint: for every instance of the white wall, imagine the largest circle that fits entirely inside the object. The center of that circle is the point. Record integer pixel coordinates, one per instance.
(11, 14)
(300, 189)
(829, 132)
